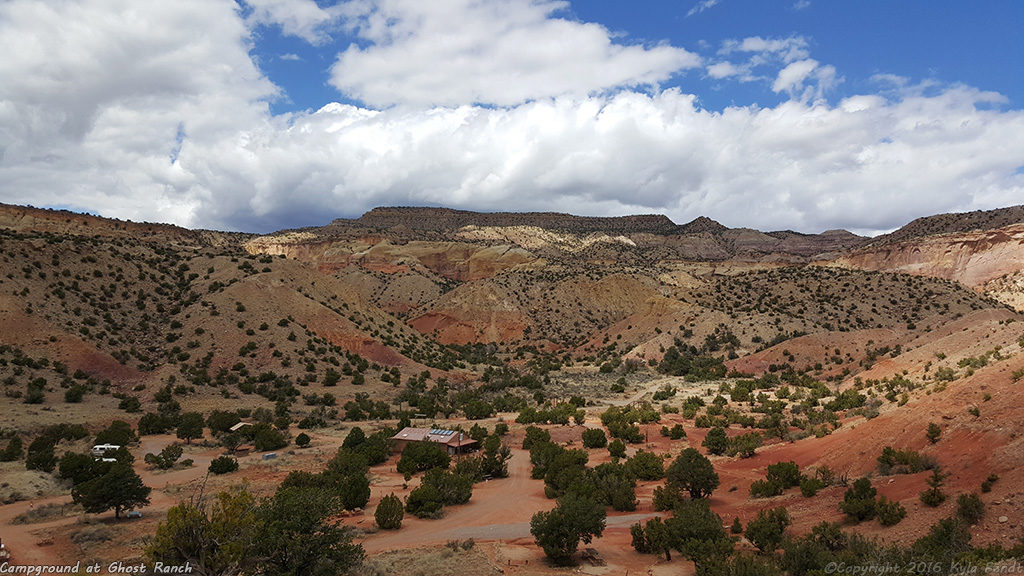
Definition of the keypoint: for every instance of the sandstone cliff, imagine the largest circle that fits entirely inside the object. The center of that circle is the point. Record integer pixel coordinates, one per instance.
(971, 258)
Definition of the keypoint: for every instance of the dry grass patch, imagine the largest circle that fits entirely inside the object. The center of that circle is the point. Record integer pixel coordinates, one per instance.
(47, 512)
(19, 484)
(442, 561)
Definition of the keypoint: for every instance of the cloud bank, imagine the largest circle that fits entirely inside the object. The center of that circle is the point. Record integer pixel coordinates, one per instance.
(453, 52)
(157, 111)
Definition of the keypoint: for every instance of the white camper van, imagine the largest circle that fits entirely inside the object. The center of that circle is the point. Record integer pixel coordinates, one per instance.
(99, 450)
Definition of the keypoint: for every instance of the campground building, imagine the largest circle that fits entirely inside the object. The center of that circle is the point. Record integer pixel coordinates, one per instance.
(454, 442)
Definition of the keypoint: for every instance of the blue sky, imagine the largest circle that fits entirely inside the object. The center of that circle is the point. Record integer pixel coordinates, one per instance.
(259, 115)
(979, 44)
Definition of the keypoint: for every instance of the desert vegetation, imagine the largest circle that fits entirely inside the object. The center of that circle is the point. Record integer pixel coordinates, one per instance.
(622, 396)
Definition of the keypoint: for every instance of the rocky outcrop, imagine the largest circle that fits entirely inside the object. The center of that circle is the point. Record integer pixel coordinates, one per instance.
(971, 258)
(442, 219)
(396, 238)
(453, 260)
(534, 238)
(474, 313)
(1008, 289)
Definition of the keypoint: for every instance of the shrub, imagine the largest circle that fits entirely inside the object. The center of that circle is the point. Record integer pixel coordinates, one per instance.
(40, 455)
(166, 459)
(559, 531)
(119, 432)
(809, 486)
(639, 537)
(780, 476)
(223, 465)
(693, 472)
(667, 498)
(893, 461)
(654, 538)
(535, 435)
(859, 501)
(420, 456)
(970, 508)
(768, 528)
(128, 404)
(946, 539)
(155, 423)
(986, 486)
(79, 467)
(302, 440)
(13, 451)
(889, 512)
(646, 466)
(452, 488)
(786, 474)
(389, 513)
(765, 489)
(478, 410)
(614, 486)
(934, 495)
(346, 473)
(354, 439)
(933, 433)
(424, 502)
(617, 449)
(594, 438)
(548, 454)
(74, 394)
(716, 441)
(267, 438)
(745, 445)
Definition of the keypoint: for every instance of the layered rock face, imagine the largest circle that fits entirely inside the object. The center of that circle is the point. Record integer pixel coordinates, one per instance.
(1008, 289)
(971, 258)
(462, 246)
(441, 219)
(453, 260)
(981, 250)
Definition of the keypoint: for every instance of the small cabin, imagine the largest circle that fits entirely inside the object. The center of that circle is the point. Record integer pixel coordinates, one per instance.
(453, 441)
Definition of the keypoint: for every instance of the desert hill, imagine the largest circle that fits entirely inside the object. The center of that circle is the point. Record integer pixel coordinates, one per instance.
(445, 219)
(828, 346)
(983, 250)
(957, 222)
(40, 220)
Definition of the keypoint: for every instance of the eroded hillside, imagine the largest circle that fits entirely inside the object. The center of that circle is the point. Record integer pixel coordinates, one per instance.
(817, 349)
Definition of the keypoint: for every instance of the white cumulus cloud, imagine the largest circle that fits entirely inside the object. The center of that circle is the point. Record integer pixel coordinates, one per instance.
(301, 18)
(156, 111)
(724, 70)
(451, 52)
